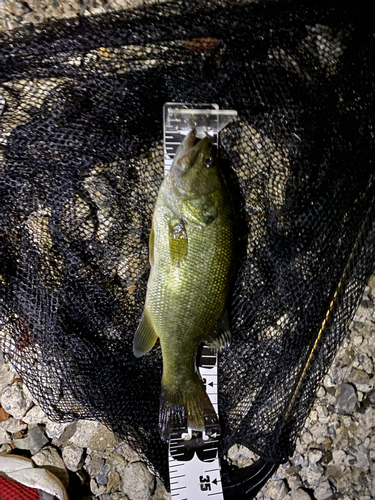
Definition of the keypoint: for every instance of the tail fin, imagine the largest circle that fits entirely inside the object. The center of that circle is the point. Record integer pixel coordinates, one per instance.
(190, 409)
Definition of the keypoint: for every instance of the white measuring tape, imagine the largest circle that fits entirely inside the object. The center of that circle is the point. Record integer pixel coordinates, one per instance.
(194, 468)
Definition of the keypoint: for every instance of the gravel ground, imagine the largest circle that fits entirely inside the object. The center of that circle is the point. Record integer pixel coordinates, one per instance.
(334, 457)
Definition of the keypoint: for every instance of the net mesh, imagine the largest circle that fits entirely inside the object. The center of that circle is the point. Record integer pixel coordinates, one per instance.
(81, 164)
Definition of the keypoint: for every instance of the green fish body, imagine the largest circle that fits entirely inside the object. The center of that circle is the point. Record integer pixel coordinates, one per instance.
(191, 246)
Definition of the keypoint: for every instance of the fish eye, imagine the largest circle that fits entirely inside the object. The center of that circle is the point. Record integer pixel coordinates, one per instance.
(208, 161)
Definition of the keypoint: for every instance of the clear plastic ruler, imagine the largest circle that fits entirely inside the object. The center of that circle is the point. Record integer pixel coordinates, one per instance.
(194, 467)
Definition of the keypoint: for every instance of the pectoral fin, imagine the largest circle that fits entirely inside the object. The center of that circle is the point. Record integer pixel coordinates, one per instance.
(145, 337)
(220, 334)
(178, 242)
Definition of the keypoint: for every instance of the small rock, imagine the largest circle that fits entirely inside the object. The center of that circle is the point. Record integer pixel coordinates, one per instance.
(357, 340)
(327, 457)
(93, 435)
(50, 459)
(102, 478)
(84, 432)
(322, 414)
(127, 452)
(333, 428)
(94, 465)
(313, 474)
(14, 400)
(54, 430)
(37, 439)
(361, 380)
(21, 443)
(294, 482)
(323, 491)
(339, 457)
(35, 416)
(283, 471)
(114, 481)
(313, 415)
(362, 457)
(371, 397)
(69, 432)
(337, 374)
(306, 438)
(103, 438)
(321, 392)
(342, 438)
(276, 490)
(327, 443)
(137, 481)
(13, 425)
(318, 431)
(241, 456)
(315, 455)
(73, 457)
(346, 399)
(299, 459)
(346, 420)
(366, 364)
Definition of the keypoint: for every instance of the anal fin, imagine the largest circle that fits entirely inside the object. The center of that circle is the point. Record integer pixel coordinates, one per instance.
(145, 336)
(220, 334)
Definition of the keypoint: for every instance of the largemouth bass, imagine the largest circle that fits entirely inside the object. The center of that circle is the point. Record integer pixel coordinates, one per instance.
(190, 251)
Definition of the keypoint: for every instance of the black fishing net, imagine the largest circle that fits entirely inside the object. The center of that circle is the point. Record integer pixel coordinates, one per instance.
(82, 160)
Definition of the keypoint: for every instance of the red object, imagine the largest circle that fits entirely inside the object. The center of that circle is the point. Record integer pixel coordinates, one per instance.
(9, 490)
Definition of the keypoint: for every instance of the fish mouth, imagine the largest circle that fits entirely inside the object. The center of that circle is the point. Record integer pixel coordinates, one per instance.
(190, 149)
(189, 141)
